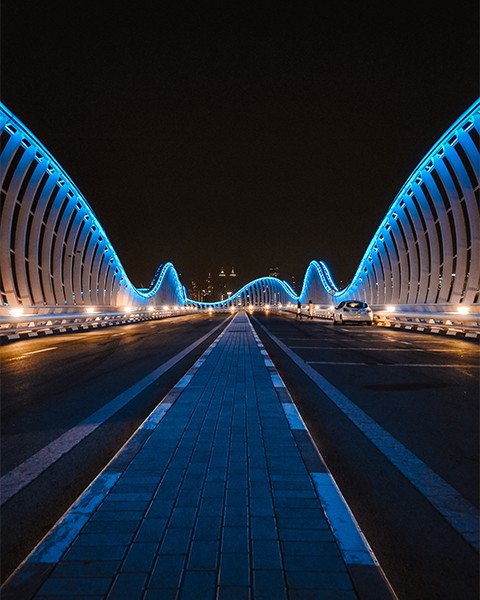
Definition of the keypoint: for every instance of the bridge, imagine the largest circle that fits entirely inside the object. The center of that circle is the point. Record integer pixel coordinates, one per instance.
(227, 449)
(55, 257)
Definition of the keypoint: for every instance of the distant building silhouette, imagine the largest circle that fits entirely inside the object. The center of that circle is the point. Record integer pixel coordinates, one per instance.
(274, 272)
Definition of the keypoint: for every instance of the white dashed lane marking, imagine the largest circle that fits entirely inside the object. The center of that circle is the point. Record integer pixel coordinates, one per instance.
(34, 352)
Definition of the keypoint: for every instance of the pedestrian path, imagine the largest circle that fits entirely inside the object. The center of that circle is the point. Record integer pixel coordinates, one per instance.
(217, 496)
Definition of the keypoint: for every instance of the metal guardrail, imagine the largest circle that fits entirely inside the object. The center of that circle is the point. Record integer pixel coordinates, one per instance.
(17, 327)
(449, 323)
(435, 320)
(50, 320)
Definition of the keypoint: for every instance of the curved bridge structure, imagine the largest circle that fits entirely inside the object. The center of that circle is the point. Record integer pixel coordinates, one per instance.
(55, 255)
(53, 250)
(318, 286)
(427, 248)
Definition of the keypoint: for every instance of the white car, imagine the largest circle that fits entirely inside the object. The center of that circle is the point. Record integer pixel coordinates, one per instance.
(352, 311)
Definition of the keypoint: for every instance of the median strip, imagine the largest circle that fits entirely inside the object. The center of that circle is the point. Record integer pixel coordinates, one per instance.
(18, 478)
(456, 509)
(360, 559)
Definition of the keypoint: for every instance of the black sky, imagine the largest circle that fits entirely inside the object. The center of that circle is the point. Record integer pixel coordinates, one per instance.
(220, 134)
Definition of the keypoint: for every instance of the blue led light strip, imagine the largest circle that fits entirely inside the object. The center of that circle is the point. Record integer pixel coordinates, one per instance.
(54, 253)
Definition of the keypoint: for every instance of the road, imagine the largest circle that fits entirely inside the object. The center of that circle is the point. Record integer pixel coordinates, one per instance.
(418, 399)
(51, 446)
(421, 392)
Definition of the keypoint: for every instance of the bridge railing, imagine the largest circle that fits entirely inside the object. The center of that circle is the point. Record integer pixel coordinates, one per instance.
(423, 318)
(48, 320)
(435, 319)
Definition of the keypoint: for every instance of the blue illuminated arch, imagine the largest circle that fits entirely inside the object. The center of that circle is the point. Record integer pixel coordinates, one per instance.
(427, 248)
(53, 250)
(54, 253)
(259, 292)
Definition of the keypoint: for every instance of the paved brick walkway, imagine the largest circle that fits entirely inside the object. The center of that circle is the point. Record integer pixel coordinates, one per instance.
(212, 498)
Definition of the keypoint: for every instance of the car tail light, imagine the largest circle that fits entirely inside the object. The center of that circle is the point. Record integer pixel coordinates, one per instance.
(369, 310)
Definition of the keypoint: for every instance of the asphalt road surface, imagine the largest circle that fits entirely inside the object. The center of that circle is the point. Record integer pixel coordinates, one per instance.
(415, 440)
(68, 403)
(394, 414)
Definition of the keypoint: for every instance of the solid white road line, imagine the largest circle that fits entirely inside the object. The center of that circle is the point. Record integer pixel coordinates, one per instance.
(336, 362)
(19, 477)
(351, 541)
(457, 510)
(369, 349)
(347, 532)
(420, 365)
(58, 539)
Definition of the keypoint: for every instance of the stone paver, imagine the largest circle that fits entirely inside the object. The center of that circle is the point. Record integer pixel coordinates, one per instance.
(218, 502)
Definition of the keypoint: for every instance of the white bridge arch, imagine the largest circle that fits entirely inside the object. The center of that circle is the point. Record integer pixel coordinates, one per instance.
(427, 248)
(54, 254)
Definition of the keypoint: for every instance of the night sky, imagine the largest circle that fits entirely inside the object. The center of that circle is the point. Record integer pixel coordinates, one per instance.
(252, 135)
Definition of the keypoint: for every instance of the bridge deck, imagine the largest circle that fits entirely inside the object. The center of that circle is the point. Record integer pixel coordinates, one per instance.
(213, 497)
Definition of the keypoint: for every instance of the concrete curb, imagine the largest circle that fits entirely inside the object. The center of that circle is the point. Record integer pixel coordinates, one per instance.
(367, 576)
